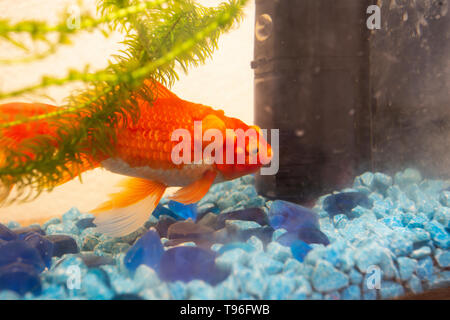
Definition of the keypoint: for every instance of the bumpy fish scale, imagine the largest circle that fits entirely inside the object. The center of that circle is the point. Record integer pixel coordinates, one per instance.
(148, 142)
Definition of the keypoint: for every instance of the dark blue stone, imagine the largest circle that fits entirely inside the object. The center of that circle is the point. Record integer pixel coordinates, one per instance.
(6, 234)
(42, 245)
(264, 234)
(300, 249)
(147, 250)
(291, 216)
(163, 225)
(62, 244)
(250, 214)
(190, 263)
(92, 260)
(312, 234)
(19, 277)
(160, 210)
(20, 251)
(343, 203)
(308, 234)
(85, 223)
(22, 233)
(188, 230)
(183, 211)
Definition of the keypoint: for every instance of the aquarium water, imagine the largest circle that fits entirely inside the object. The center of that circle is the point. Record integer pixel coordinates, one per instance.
(385, 237)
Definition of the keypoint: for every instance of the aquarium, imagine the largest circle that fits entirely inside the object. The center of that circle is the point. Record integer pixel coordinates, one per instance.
(224, 150)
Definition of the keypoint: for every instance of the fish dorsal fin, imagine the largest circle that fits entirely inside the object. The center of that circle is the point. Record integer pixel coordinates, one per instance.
(213, 122)
(196, 190)
(128, 210)
(161, 91)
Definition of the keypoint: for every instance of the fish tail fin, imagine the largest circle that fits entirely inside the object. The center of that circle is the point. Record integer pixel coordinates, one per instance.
(5, 189)
(128, 210)
(12, 136)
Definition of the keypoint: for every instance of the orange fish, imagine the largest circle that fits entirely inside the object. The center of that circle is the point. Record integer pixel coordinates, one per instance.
(143, 152)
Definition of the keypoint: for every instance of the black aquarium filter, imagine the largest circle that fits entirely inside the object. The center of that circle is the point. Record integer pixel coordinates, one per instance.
(348, 99)
(311, 66)
(410, 87)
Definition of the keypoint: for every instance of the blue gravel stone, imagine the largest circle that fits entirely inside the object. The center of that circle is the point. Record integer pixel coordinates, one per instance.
(300, 249)
(256, 243)
(253, 285)
(421, 252)
(400, 244)
(382, 181)
(375, 255)
(340, 220)
(393, 221)
(351, 293)
(407, 177)
(326, 278)
(64, 268)
(50, 222)
(425, 269)
(234, 245)
(85, 223)
(355, 277)
(370, 295)
(415, 285)
(262, 261)
(440, 280)
(444, 198)
(183, 211)
(278, 288)
(417, 222)
(71, 215)
(438, 233)
(20, 251)
(442, 215)
(178, 290)
(190, 263)
(231, 259)
(19, 277)
(199, 290)
(8, 295)
(366, 179)
(290, 216)
(7, 234)
(406, 267)
(343, 203)
(443, 258)
(148, 250)
(278, 252)
(391, 290)
(94, 288)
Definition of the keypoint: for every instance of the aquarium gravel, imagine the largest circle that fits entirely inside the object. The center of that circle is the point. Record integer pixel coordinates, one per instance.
(383, 238)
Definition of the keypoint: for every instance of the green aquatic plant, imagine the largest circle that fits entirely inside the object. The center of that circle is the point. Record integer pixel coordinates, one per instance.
(159, 36)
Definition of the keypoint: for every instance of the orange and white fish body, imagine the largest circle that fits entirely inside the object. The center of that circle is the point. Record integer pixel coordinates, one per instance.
(143, 152)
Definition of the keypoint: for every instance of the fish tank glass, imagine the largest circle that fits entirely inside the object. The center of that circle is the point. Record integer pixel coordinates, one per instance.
(224, 150)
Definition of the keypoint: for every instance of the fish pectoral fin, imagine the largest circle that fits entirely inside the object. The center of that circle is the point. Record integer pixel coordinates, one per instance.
(128, 210)
(195, 191)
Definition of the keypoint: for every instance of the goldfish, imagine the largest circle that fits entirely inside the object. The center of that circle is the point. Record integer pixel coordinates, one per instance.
(143, 151)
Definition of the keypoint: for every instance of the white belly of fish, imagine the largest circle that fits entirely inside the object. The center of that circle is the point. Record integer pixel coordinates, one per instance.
(188, 174)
